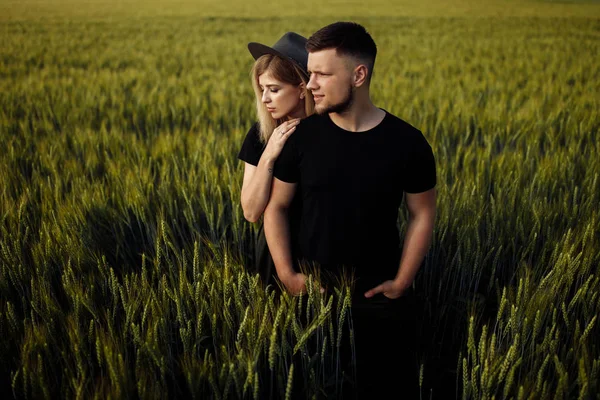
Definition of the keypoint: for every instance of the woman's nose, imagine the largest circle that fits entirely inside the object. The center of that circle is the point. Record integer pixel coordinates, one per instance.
(265, 97)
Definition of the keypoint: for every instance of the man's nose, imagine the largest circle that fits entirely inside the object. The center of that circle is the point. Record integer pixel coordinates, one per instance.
(312, 84)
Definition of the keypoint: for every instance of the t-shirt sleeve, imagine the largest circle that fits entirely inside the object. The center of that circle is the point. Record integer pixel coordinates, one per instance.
(252, 148)
(287, 166)
(420, 169)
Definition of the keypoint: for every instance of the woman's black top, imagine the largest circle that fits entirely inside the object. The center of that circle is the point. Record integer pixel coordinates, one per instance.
(262, 263)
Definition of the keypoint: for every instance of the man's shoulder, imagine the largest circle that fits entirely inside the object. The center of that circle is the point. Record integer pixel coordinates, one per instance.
(403, 129)
(307, 128)
(312, 121)
(400, 124)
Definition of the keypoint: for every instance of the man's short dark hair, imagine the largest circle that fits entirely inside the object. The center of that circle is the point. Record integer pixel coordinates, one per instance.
(348, 38)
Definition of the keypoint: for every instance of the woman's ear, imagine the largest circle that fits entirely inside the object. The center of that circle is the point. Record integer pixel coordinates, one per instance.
(302, 87)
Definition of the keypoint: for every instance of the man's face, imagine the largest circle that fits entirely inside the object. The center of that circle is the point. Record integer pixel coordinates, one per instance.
(330, 81)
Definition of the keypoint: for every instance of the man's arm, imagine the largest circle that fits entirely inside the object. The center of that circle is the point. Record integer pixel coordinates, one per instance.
(276, 226)
(419, 231)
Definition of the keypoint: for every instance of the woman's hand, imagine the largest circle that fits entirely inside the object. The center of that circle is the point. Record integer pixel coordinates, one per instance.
(279, 137)
(295, 283)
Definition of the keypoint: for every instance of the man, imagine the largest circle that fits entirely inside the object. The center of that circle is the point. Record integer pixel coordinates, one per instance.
(353, 163)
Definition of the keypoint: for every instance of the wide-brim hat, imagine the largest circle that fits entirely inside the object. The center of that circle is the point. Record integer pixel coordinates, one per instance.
(290, 47)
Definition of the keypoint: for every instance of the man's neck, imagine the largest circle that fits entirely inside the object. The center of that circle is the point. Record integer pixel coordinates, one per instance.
(362, 116)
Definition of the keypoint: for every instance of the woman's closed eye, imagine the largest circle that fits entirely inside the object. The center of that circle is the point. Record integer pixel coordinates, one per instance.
(271, 90)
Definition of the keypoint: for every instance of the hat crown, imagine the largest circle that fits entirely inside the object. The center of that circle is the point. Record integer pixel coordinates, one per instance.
(290, 46)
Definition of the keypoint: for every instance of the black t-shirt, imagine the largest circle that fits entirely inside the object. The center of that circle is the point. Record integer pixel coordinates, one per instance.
(252, 148)
(351, 185)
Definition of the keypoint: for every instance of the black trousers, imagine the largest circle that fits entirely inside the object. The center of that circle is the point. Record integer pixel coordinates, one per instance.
(386, 351)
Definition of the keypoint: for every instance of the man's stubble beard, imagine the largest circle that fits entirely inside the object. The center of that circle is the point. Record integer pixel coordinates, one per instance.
(340, 107)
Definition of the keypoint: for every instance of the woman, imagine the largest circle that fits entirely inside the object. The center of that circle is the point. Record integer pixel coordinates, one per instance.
(279, 78)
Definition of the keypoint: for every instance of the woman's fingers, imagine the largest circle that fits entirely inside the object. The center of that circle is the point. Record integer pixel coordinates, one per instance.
(288, 133)
(283, 131)
(285, 134)
(292, 122)
(287, 125)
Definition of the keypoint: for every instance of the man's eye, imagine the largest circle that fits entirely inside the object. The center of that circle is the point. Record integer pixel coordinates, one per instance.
(274, 90)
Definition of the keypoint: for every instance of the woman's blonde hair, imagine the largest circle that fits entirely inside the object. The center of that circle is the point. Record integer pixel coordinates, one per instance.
(284, 71)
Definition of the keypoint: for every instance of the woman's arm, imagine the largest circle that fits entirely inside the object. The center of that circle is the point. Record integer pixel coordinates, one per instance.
(256, 187)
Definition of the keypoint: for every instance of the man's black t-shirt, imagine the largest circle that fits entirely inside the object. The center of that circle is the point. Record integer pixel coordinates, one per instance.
(351, 185)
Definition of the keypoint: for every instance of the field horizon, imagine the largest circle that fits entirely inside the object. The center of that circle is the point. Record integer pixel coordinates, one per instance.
(15, 10)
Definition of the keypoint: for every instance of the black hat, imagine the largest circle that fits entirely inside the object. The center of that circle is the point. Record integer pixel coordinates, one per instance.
(289, 47)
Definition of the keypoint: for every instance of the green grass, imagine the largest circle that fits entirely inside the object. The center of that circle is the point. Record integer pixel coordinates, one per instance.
(122, 239)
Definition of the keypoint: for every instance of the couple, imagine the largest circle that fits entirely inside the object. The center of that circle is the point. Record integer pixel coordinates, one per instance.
(329, 170)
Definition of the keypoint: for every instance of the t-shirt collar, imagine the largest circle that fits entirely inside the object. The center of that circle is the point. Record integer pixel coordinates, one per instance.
(376, 127)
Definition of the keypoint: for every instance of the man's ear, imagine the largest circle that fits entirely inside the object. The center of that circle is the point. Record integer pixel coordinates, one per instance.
(361, 73)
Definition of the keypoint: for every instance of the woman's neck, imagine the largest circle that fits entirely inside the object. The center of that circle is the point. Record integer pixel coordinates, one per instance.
(299, 112)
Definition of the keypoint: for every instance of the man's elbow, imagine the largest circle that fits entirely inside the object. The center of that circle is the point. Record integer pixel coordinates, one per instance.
(423, 207)
(272, 210)
(423, 217)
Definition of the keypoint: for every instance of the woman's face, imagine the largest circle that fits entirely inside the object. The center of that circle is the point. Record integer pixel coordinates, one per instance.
(281, 99)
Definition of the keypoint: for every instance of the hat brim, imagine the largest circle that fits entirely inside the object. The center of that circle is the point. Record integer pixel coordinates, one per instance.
(259, 49)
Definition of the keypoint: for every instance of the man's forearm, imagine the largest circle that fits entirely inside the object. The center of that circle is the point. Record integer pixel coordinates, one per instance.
(416, 244)
(277, 233)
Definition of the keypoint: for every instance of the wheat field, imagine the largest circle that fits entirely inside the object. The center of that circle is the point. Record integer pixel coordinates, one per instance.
(123, 247)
